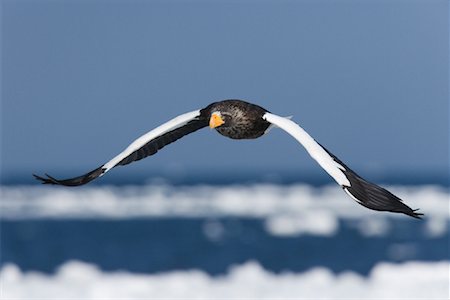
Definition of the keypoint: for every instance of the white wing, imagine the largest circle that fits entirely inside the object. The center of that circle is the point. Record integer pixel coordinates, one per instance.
(152, 134)
(148, 144)
(314, 149)
(363, 192)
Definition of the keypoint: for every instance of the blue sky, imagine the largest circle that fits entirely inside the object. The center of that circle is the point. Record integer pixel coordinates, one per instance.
(82, 79)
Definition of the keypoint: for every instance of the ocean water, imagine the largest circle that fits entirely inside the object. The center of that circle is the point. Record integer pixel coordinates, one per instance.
(220, 241)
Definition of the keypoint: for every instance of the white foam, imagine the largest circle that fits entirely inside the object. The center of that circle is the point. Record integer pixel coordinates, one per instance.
(287, 210)
(77, 280)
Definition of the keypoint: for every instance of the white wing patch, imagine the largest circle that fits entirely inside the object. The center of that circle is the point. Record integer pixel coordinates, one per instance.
(353, 197)
(271, 126)
(144, 139)
(314, 149)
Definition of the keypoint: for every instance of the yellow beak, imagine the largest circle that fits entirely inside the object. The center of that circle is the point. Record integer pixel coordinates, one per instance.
(215, 120)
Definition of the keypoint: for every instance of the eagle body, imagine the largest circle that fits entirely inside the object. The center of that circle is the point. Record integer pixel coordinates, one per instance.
(243, 120)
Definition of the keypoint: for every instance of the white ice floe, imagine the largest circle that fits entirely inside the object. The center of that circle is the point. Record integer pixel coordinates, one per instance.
(78, 280)
(315, 222)
(287, 210)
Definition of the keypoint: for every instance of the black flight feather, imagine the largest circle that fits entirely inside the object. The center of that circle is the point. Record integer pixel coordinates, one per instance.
(80, 180)
(371, 195)
(148, 149)
(163, 140)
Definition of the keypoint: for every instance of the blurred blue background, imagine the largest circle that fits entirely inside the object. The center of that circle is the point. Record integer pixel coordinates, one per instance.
(82, 79)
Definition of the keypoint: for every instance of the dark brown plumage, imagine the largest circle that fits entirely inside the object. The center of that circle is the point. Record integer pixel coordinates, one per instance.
(243, 120)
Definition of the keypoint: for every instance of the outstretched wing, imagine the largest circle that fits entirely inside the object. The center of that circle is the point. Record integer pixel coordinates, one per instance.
(365, 193)
(146, 145)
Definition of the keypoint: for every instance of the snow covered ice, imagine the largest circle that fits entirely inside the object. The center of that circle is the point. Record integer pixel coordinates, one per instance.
(292, 211)
(77, 280)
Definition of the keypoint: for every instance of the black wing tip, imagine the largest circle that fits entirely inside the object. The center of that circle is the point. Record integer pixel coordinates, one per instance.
(46, 180)
(377, 198)
(83, 179)
(415, 214)
(51, 180)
